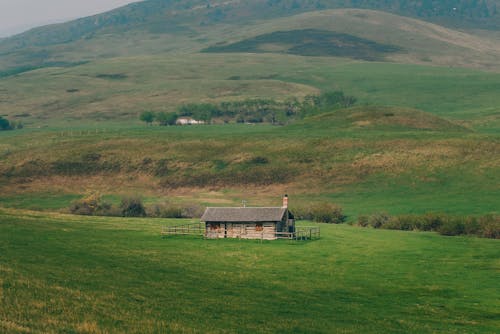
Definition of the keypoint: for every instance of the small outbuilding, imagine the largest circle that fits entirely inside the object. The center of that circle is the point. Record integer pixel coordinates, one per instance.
(267, 223)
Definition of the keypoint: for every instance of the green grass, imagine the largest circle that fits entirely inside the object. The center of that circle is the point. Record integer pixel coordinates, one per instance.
(38, 201)
(66, 274)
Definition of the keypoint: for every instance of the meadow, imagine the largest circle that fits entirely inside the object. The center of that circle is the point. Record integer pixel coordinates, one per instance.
(69, 274)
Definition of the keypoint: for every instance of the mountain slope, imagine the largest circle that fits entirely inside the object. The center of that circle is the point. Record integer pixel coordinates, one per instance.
(170, 16)
(164, 15)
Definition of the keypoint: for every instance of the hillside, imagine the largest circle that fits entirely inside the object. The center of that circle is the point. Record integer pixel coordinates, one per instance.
(160, 26)
(166, 16)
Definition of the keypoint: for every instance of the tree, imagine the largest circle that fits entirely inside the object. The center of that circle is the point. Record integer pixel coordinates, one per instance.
(132, 207)
(148, 117)
(5, 124)
(166, 118)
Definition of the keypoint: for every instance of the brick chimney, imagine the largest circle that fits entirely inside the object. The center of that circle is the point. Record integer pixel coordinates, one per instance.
(285, 202)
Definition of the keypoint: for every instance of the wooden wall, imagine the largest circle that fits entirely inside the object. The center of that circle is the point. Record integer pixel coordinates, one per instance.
(265, 231)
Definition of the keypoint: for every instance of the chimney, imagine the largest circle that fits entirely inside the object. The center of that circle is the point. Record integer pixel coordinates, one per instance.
(285, 202)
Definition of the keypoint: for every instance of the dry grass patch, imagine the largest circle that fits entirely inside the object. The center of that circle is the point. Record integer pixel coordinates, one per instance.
(8, 326)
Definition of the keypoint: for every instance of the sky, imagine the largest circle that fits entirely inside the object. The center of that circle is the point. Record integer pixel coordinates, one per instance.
(19, 15)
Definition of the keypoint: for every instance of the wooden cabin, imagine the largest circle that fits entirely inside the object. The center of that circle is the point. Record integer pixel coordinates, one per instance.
(267, 223)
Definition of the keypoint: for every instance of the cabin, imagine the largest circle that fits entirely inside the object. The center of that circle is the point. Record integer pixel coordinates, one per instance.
(268, 223)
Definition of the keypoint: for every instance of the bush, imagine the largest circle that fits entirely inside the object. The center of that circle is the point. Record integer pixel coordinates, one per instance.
(91, 205)
(452, 226)
(363, 221)
(328, 213)
(490, 226)
(377, 220)
(132, 207)
(486, 226)
(193, 211)
(165, 210)
(168, 210)
(405, 222)
(430, 222)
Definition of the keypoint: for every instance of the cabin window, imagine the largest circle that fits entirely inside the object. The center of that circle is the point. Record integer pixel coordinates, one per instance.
(214, 226)
(259, 227)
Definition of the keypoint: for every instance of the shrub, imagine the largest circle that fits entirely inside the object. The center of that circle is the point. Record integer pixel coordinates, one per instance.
(489, 226)
(91, 205)
(301, 213)
(377, 220)
(486, 226)
(192, 211)
(363, 221)
(168, 210)
(430, 222)
(392, 223)
(132, 207)
(471, 226)
(328, 213)
(452, 226)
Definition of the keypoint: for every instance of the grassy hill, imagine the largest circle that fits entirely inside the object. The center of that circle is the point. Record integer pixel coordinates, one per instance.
(61, 273)
(159, 27)
(366, 159)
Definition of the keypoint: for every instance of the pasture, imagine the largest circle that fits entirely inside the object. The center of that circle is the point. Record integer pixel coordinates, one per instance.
(68, 274)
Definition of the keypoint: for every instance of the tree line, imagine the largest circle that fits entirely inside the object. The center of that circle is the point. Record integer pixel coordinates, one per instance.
(254, 110)
(5, 124)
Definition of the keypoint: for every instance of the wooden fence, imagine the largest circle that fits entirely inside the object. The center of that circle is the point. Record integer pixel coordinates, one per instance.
(198, 229)
(188, 229)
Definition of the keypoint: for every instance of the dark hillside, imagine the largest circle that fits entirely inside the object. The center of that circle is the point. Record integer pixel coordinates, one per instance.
(311, 42)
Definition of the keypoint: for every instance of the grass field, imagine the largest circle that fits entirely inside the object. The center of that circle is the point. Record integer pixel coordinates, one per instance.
(67, 274)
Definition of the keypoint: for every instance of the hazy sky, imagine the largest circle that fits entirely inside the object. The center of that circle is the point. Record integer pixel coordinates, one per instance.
(19, 15)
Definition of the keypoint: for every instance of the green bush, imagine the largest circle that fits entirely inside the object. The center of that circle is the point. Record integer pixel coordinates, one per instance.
(486, 226)
(393, 223)
(490, 226)
(92, 205)
(452, 226)
(328, 213)
(430, 222)
(132, 207)
(377, 220)
(363, 221)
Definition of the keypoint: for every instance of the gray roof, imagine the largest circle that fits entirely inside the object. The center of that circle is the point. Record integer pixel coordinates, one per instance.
(242, 215)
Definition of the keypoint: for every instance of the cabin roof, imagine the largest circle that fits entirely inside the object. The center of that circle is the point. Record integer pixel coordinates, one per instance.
(243, 215)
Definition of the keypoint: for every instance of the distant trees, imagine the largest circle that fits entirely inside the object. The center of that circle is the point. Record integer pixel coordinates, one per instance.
(254, 110)
(163, 118)
(148, 117)
(5, 124)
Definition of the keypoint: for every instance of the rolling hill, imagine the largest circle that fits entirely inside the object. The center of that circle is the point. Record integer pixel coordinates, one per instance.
(159, 26)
